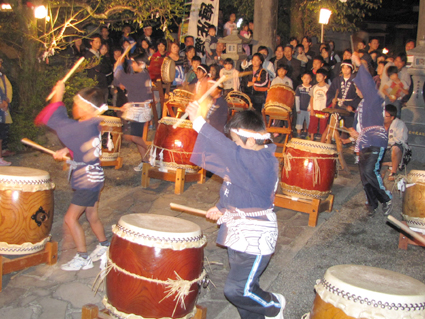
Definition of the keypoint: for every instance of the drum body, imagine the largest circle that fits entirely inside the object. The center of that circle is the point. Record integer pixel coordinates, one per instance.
(137, 112)
(26, 210)
(147, 248)
(352, 291)
(180, 98)
(309, 169)
(168, 70)
(414, 200)
(111, 131)
(173, 147)
(281, 95)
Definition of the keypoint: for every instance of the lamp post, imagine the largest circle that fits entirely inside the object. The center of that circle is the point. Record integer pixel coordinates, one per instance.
(325, 14)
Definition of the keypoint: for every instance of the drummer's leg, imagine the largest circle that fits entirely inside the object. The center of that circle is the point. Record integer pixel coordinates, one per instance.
(95, 223)
(141, 145)
(72, 216)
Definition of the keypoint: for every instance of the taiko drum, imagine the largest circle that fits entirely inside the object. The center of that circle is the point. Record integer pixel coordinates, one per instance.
(111, 131)
(414, 200)
(26, 210)
(309, 169)
(353, 291)
(156, 247)
(173, 147)
(280, 95)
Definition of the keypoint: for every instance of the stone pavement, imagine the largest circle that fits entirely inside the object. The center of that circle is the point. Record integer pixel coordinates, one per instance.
(47, 292)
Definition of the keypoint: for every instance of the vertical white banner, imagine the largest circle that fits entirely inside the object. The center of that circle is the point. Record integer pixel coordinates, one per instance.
(203, 14)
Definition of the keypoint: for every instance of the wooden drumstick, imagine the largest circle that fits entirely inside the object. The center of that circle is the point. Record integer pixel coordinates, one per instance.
(406, 229)
(187, 209)
(127, 50)
(66, 77)
(115, 108)
(39, 147)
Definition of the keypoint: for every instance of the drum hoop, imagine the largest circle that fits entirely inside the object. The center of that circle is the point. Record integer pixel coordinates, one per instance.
(303, 193)
(173, 120)
(416, 176)
(23, 249)
(237, 94)
(415, 222)
(269, 104)
(106, 157)
(26, 186)
(110, 120)
(313, 147)
(159, 242)
(288, 88)
(122, 315)
(174, 166)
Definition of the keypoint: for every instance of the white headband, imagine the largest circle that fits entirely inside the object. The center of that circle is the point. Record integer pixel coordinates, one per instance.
(248, 134)
(101, 109)
(202, 68)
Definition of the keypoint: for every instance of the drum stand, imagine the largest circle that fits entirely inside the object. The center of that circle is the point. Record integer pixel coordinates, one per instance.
(333, 132)
(404, 241)
(311, 206)
(49, 256)
(179, 176)
(91, 311)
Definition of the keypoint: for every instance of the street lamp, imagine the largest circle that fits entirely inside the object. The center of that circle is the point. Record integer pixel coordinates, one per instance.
(40, 12)
(325, 14)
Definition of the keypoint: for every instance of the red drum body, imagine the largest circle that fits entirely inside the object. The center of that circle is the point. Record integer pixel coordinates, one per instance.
(352, 291)
(146, 253)
(26, 210)
(111, 132)
(173, 147)
(309, 169)
(414, 201)
(282, 96)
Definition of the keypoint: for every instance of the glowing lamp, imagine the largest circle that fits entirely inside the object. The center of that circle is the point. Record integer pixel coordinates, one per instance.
(385, 51)
(40, 12)
(325, 14)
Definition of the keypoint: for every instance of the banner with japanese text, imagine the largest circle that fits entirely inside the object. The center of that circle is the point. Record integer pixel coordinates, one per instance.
(203, 14)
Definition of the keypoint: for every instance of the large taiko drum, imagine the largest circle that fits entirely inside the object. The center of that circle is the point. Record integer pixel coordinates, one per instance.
(111, 132)
(180, 98)
(148, 256)
(414, 201)
(352, 291)
(137, 111)
(282, 96)
(26, 210)
(168, 70)
(309, 169)
(173, 147)
(238, 101)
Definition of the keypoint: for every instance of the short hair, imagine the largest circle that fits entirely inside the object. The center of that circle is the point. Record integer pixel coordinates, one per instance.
(392, 70)
(299, 46)
(319, 58)
(247, 120)
(138, 58)
(161, 41)
(189, 47)
(348, 50)
(260, 56)
(280, 46)
(282, 66)
(383, 63)
(411, 40)
(402, 57)
(306, 72)
(373, 38)
(262, 47)
(293, 39)
(375, 52)
(94, 36)
(205, 68)
(94, 95)
(363, 41)
(391, 109)
(212, 27)
(188, 36)
(326, 48)
(228, 61)
(103, 26)
(307, 38)
(197, 58)
(289, 46)
(322, 71)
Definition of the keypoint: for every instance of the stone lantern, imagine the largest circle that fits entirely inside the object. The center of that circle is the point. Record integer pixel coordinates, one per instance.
(234, 44)
(414, 112)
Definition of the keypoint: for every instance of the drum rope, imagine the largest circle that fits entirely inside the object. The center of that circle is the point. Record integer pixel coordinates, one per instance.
(178, 286)
(316, 168)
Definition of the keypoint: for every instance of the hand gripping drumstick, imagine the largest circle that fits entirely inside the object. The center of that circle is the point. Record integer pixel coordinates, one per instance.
(187, 209)
(66, 77)
(407, 229)
(127, 50)
(39, 147)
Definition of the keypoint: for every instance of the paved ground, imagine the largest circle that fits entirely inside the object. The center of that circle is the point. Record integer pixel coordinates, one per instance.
(303, 253)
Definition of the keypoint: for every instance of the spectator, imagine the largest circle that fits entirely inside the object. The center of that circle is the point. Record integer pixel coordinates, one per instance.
(230, 25)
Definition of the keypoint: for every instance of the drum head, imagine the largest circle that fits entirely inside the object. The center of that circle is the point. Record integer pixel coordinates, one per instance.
(168, 70)
(416, 176)
(19, 174)
(160, 226)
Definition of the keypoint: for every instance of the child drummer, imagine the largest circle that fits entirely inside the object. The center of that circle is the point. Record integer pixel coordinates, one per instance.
(248, 226)
(82, 140)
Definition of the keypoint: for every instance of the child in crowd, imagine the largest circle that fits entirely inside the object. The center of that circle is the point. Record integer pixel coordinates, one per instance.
(211, 42)
(248, 226)
(300, 55)
(394, 89)
(318, 103)
(202, 84)
(246, 33)
(230, 25)
(191, 75)
(233, 82)
(282, 70)
(317, 64)
(82, 140)
(302, 101)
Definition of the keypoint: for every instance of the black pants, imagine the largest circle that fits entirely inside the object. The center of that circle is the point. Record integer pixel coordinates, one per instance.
(242, 286)
(369, 165)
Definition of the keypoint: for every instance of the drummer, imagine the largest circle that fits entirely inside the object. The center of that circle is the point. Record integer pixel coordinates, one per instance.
(202, 84)
(139, 89)
(218, 112)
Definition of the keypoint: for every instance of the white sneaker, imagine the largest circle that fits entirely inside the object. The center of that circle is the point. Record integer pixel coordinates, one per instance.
(98, 252)
(139, 167)
(282, 302)
(78, 263)
(3, 162)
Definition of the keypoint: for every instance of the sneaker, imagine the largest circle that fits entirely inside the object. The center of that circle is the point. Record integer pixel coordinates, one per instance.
(78, 263)
(387, 207)
(370, 211)
(282, 302)
(139, 167)
(4, 163)
(98, 252)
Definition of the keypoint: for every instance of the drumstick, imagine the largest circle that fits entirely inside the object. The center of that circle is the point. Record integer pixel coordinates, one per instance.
(39, 147)
(203, 97)
(187, 209)
(407, 229)
(115, 108)
(127, 49)
(66, 77)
